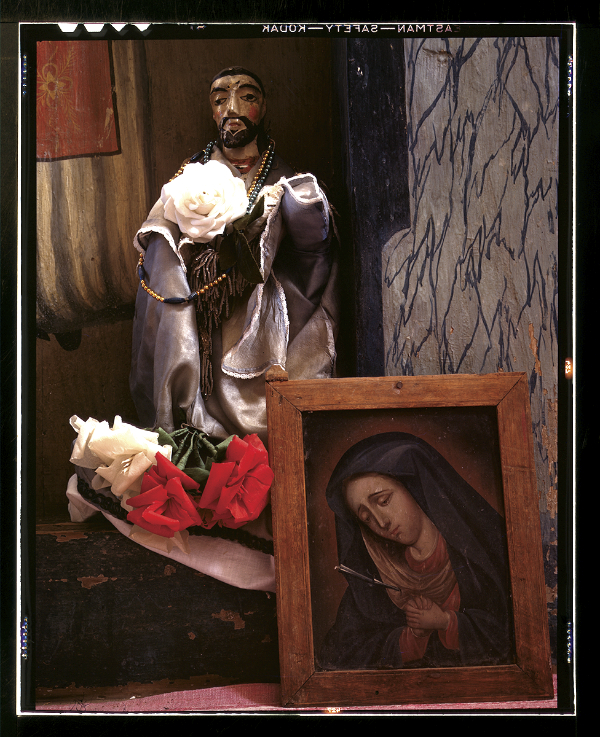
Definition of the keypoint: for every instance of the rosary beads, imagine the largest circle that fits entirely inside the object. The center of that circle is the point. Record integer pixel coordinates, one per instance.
(253, 192)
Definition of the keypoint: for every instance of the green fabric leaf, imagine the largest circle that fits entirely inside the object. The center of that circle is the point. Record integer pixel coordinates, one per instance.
(199, 475)
(164, 438)
(246, 262)
(195, 459)
(207, 445)
(190, 448)
(245, 220)
(227, 252)
(221, 449)
(180, 457)
(235, 249)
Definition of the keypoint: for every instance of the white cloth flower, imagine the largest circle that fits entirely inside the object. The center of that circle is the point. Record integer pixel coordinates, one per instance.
(120, 455)
(204, 199)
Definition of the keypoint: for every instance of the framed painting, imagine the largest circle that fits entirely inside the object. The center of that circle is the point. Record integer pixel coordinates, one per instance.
(407, 541)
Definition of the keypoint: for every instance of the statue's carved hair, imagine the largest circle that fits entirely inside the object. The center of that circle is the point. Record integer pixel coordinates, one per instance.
(230, 71)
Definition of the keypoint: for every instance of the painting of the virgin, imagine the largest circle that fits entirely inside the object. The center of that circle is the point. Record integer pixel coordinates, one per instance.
(425, 559)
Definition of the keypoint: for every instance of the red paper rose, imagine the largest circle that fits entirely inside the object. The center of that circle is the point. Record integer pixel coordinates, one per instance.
(237, 490)
(163, 506)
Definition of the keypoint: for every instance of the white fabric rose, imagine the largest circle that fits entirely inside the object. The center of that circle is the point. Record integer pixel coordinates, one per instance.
(204, 199)
(120, 455)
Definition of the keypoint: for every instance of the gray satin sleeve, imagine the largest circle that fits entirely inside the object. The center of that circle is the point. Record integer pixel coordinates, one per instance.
(165, 368)
(304, 261)
(305, 212)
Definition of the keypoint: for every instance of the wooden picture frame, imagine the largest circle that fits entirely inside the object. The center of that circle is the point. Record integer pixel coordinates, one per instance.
(504, 398)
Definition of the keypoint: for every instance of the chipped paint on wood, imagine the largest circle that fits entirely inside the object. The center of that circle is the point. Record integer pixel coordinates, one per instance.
(552, 501)
(533, 345)
(229, 616)
(88, 581)
(65, 537)
(150, 619)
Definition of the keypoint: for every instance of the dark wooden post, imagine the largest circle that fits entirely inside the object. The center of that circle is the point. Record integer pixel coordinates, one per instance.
(374, 136)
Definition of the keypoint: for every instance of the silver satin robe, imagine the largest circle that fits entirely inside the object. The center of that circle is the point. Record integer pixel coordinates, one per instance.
(290, 319)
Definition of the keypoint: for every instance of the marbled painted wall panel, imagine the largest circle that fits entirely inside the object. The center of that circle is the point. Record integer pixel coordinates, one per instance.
(471, 286)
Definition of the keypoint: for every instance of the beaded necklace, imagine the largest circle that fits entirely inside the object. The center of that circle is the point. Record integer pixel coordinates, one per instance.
(253, 192)
(175, 300)
(261, 174)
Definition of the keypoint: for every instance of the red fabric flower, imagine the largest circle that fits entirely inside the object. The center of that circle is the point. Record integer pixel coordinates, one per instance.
(163, 506)
(237, 490)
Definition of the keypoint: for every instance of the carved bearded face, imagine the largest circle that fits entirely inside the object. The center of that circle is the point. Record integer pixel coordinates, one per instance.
(238, 106)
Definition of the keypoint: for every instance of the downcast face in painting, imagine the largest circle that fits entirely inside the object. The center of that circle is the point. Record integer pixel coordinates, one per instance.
(238, 106)
(386, 507)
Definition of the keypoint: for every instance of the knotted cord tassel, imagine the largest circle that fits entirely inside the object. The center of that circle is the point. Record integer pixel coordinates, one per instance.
(213, 304)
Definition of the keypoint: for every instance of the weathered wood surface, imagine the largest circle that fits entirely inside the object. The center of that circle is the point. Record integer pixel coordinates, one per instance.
(446, 686)
(401, 391)
(288, 504)
(522, 518)
(111, 613)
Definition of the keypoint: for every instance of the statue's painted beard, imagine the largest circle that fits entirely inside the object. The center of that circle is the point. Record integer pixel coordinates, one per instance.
(240, 138)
